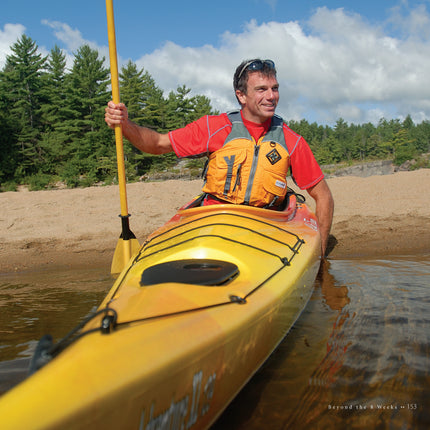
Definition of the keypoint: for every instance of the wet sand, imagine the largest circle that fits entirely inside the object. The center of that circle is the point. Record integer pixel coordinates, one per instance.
(377, 215)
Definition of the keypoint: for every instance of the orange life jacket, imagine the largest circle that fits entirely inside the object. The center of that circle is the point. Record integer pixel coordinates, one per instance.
(244, 171)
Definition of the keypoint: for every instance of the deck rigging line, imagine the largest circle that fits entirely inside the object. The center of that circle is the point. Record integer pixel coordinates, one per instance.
(222, 214)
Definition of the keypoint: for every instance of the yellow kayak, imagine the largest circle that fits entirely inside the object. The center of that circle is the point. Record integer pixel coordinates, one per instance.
(192, 317)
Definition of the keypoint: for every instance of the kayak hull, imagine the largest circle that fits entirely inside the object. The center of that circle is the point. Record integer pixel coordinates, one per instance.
(173, 354)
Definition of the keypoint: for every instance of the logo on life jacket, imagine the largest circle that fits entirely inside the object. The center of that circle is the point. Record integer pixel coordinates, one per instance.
(273, 156)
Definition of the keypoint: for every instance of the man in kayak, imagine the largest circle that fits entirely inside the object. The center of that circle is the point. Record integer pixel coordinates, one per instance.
(250, 151)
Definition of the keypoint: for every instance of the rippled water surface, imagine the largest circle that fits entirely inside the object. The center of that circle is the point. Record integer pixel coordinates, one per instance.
(36, 303)
(358, 357)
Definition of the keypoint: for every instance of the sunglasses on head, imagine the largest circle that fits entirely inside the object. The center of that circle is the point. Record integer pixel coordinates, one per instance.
(256, 65)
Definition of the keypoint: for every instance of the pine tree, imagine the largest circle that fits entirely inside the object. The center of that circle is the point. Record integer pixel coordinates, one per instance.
(422, 136)
(201, 107)
(87, 97)
(90, 80)
(132, 88)
(342, 148)
(8, 148)
(54, 110)
(179, 108)
(23, 80)
(154, 115)
(403, 145)
(55, 138)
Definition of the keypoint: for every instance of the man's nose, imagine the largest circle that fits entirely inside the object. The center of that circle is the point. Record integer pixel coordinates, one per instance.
(270, 94)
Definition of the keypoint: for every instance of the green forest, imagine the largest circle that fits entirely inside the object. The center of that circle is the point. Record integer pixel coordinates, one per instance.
(53, 129)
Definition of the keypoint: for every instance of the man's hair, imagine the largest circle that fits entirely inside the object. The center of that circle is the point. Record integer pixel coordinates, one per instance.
(241, 75)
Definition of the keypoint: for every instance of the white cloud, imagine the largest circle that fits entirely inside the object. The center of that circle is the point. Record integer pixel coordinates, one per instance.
(337, 67)
(8, 36)
(416, 23)
(72, 39)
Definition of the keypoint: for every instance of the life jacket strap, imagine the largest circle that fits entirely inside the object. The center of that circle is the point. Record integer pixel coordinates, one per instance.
(230, 164)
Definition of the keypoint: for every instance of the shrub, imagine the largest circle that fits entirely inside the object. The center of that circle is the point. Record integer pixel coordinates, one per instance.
(8, 186)
(38, 181)
(403, 154)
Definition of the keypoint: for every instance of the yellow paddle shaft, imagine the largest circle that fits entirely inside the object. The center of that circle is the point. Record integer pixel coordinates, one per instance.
(116, 99)
(127, 244)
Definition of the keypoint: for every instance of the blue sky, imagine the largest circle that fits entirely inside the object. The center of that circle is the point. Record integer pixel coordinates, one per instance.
(143, 26)
(359, 60)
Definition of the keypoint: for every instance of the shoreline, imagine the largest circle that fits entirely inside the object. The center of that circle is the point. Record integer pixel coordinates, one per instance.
(75, 228)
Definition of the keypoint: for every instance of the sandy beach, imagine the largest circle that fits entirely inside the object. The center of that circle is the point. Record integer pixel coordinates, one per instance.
(377, 215)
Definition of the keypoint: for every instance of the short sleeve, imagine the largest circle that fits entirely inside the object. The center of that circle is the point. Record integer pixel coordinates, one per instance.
(305, 169)
(200, 137)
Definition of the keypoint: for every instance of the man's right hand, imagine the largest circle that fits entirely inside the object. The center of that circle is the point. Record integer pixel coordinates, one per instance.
(115, 114)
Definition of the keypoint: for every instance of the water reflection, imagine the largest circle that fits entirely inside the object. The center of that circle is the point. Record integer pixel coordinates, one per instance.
(39, 302)
(358, 357)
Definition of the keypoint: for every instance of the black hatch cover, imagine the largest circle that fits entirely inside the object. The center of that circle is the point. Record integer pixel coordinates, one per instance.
(192, 271)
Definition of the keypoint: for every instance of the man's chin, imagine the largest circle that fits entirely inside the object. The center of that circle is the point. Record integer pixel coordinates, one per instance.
(269, 113)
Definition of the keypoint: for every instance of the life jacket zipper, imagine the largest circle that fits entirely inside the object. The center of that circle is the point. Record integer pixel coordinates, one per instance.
(238, 178)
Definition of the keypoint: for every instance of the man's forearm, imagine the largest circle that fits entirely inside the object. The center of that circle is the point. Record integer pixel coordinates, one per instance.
(324, 214)
(145, 139)
(324, 210)
(142, 138)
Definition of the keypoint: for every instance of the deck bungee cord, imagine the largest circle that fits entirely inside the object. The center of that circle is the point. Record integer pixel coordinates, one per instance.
(230, 225)
(284, 260)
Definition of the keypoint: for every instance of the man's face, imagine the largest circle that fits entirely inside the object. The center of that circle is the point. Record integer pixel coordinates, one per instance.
(262, 97)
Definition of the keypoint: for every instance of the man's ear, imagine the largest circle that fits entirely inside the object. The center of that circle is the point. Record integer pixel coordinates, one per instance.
(241, 97)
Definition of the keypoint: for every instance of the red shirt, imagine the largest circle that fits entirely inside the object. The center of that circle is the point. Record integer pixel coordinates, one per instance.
(208, 134)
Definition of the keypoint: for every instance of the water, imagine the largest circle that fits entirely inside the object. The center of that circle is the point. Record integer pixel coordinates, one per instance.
(39, 302)
(358, 357)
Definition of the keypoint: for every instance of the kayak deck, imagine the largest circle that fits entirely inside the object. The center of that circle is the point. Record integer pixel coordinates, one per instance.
(228, 235)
